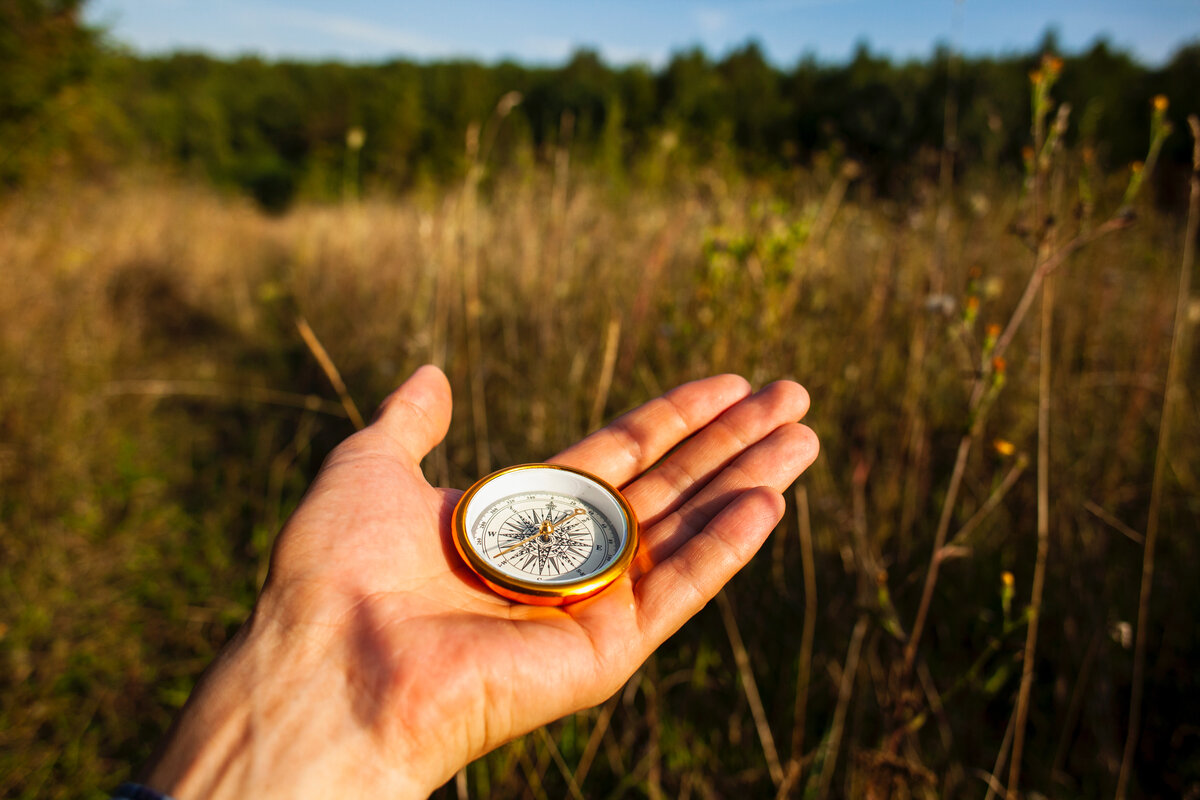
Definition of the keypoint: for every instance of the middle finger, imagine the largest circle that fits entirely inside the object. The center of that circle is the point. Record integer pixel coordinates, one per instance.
(690, 468)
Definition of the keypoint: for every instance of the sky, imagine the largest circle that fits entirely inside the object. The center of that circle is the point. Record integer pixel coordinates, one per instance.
(647, 31)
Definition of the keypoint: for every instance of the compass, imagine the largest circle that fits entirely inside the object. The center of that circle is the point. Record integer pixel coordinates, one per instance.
(543, 534)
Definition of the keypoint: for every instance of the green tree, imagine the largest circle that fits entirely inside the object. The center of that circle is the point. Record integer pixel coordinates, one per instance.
(44, 52)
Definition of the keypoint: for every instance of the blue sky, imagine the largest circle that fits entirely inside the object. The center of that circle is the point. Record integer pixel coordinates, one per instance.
(649, 31)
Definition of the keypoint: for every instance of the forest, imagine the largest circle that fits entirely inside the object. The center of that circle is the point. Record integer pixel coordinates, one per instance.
(283, 131)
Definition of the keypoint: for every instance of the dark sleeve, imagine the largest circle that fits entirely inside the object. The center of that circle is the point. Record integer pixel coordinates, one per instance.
(134, 791)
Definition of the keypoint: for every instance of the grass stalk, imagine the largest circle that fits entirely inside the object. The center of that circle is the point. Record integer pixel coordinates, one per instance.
(1173, 394)
(653, 717)
(1048, 266)
(1075, 706)
(936, 703)
(750, 687)
(331, 371)
(945, 205)
(807, 633)
(477, 153)
(233, 393)
(845, 692)
(939, 541)
(533, 775)
(593, 743)
(283, 462)
(556, 755)
(778, 555)
(560, 248)
(1043, 539)
(1045, 389)
(994, 499)
(608, 363)
(995, 787)
(472, 304)
(1113, 522)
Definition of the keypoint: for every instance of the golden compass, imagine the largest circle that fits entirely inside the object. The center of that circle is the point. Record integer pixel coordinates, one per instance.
(544, 534)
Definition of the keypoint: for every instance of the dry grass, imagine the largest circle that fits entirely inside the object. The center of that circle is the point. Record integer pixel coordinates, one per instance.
(136, 518)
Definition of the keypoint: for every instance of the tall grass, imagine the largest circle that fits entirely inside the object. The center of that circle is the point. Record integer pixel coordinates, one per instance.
(162, 413)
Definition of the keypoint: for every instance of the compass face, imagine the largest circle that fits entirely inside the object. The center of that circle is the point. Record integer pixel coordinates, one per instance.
(545, 534)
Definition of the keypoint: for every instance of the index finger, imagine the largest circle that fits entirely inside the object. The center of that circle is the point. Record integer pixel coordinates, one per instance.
(634, 442)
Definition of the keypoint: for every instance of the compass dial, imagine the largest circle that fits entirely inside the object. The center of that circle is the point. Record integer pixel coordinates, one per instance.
(545, 534)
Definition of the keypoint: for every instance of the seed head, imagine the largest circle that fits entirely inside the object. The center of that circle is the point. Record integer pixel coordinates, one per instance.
(1004, 447)
(993, 331)
(1036, 76)
(1160, 102)
(1052, 64)
(999, 365)
(1137, 167)
(508, 102)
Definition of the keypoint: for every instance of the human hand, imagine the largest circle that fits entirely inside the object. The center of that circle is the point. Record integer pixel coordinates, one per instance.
(375, 662)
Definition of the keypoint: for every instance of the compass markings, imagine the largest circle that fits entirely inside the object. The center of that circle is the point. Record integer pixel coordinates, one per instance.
(546, 538)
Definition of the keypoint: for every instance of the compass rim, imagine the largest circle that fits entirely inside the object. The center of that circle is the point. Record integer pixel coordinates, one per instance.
(536, 592)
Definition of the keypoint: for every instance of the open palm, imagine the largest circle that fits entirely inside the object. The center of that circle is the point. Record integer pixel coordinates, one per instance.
(411, 666)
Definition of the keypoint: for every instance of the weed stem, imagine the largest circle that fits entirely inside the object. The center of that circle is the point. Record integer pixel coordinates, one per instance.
(1172, 395)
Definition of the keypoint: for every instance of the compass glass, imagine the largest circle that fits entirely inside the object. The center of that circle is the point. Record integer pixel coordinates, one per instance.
(545, 534)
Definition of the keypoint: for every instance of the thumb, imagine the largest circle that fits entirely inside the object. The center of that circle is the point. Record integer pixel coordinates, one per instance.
(417, 415)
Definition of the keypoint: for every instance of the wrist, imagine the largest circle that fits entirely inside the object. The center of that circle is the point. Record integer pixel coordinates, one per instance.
(271, 718)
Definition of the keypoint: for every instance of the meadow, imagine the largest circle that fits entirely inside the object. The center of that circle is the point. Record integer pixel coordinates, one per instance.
(957, 579)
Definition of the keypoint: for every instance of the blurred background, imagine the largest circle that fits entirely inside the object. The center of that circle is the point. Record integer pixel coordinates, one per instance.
(227, 229)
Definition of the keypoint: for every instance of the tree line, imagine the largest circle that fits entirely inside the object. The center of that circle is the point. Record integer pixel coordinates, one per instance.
(285, 129)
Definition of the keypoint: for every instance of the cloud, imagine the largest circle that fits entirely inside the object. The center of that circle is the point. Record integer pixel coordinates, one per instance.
(619, 54)
(559, 48)
(349, 29)
(794, 5)
(545, 48)
(711, 20)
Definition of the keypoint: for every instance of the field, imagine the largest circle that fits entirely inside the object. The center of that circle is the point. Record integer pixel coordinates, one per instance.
(162, 413)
